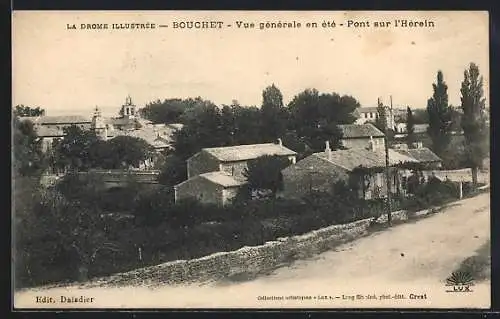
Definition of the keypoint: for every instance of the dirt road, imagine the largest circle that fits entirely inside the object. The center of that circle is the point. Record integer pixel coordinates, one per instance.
(405, 266)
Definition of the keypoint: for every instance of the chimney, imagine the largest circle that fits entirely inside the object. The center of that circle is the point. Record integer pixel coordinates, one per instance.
(371, 144)
(280, 143)
(328, 150)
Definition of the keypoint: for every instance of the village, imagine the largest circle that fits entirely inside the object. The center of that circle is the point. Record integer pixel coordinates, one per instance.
(214, 175)
(182, 179)
(251, 159)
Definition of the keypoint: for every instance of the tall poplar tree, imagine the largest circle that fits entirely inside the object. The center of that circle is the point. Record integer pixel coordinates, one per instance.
(439, 112)
(474, 119)
(274, 114)
(381, 121)
(410, 128)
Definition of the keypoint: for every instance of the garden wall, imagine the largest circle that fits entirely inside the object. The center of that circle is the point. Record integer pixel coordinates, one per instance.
(458, 175)
(245, 261)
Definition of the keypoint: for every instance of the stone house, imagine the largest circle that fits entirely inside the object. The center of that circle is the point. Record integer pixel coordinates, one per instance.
(422, 154)
(320, 171)
(370, 114)
(158, 136)
(417, 129)
(215, 174)
(360, 136)
(49, 128)
(366, 114)
(233, 159)
(209, 188)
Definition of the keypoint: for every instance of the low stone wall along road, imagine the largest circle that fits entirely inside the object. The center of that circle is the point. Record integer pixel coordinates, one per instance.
(404, 267)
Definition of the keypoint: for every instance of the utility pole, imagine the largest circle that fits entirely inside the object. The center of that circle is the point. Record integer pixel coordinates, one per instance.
(391, 115)
(387, 173)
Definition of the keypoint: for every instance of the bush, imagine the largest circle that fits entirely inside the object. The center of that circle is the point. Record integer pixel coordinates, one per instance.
(86, 188)
(166, 231)
(152, 207)
(432, 193)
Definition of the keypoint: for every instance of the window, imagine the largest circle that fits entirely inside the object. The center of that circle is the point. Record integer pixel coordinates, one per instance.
(371, 115)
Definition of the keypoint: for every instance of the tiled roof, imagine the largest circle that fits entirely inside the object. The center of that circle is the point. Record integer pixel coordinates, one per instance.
(60, 119)
(33, 119)
(367, 109)
(120, 121)
(247, 152)
(48, 131)
(157, 137)
(54, 131)
(423, 154)
(352, 158)
(222, 179)
(360, 130)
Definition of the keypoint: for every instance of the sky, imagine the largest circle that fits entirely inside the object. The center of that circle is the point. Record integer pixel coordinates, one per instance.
(72, 71)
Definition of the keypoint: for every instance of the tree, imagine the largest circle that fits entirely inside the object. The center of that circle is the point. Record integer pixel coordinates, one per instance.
(381, 120)
(439, 113)
(410, 128)
(27, 166)
(85, 189)
(202, 128)
(174, 171)
(62, 230)
(74, 150)
(421, 116)
(456, 119)
(25, 196)
(274, 115)
(103, 155)
(315, 117)
(166, 111)
(228, 124)
(29, 159)
(292, 141)
(74, 230)
(127, 151)
(247, 128)
(25, 111)
(151, 207)
(264, 173)
(474, 119)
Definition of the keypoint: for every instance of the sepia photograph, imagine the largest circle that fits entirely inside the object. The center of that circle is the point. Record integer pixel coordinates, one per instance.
(250, 159)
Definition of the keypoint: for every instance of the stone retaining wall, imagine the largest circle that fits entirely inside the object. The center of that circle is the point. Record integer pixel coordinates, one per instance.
(246, 260)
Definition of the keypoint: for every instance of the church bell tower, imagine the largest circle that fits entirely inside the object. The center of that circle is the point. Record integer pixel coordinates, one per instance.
(98, 125)
(128, 109)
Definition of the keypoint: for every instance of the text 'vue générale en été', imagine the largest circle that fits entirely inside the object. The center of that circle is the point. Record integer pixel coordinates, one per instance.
(252, 25)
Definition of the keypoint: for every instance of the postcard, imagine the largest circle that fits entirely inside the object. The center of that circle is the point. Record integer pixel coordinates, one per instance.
(250, 159)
